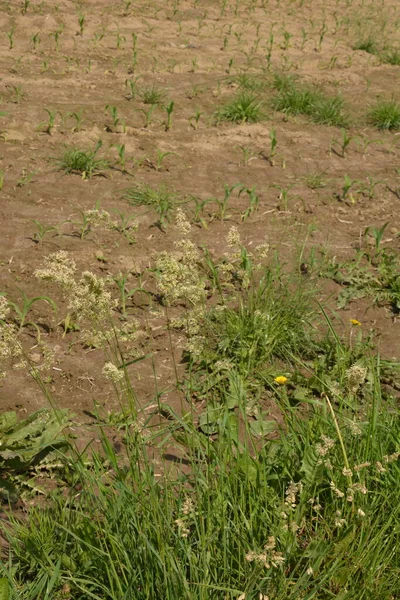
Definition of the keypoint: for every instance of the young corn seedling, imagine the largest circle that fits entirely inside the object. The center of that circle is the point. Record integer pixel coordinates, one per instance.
(284, 197)
(273, 146)
(247, 154)
(343, 144)
(161, 156)
(25, 6)
(120, 282)
(377, 234)
(131, 84)
(10, 35)
(148, 115)
(1, 180)
(170, 109)
(127, 226)
(113, 111)
(56, 35)
(194, 120)
(346, 190)
(254, 202)
(368, 189)
(35, 39)
(121, 156)
(41, 231)
(199, 206)
(223, 204)
(23, 310)
(81, 22)
(51, 122)
(78, 120)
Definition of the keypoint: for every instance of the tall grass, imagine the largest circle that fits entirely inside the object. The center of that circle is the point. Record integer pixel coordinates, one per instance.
(295, 501)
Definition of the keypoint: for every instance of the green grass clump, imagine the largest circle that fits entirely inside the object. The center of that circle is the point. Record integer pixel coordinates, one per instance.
(385, 114)
(160, 199)
(368, 45)
(311, 511)
(245, 108)
(84, 162)
(391, 57)
(250, 82)
(294, 517)
(294, 98)
(152, 95)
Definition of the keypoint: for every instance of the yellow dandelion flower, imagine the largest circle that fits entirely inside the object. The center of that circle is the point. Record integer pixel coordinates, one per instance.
(355, 322)
(281, 380)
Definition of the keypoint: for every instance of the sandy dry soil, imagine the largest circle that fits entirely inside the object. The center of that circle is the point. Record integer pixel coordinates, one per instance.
(194, 51)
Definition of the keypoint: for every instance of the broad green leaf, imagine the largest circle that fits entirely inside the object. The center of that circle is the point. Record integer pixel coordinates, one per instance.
(4, 589)
(261, 427)
(7, 420)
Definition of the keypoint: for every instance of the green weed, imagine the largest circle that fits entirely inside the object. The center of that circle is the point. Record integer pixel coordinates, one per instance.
(385, 114)
(160, 199)
(245, 108)
(293, 98)
(83, 162)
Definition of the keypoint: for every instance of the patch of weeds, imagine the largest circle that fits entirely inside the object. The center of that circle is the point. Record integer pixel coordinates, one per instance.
(391, 57)
(250, 82)
(385, 114)
(83, 162)
(160, 199)
(368, 45)
(315, 180)
(293, 98)
(376, 276)
(152, 95)
(244, 108)
(26, 445)
(283, 82)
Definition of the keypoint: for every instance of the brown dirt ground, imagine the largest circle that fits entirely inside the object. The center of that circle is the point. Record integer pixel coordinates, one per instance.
(180, 48)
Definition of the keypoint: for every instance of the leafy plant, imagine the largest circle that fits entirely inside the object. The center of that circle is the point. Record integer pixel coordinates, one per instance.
(385, 114)
(84, 162)
(23, 310)
(160, 199)
(152, 95)
(294, 99)
(245, 108)
(27, 444)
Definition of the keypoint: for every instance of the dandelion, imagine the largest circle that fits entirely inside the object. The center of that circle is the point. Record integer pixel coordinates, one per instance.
(281, 380)
(112, 373)
(355, 322)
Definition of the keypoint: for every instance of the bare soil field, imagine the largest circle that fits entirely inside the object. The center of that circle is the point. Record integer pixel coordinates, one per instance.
(143, 88)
